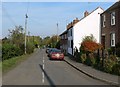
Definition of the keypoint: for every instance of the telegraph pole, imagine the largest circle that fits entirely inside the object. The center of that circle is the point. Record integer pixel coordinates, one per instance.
(28, 35)
(57, 32)
(25, 30)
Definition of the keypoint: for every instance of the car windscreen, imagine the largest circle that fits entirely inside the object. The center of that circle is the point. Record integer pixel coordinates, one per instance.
(56, 51)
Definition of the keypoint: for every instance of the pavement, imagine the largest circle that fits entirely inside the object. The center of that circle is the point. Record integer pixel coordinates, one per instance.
(91, 72)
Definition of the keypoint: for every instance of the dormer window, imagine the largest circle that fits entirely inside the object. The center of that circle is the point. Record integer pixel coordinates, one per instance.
(113, 18)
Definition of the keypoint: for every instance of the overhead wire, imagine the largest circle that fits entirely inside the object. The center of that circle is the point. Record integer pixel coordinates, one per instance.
(27, 7)
(36, 21)
(8, 16)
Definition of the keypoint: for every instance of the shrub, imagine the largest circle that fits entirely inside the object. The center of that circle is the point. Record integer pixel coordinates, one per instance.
(9, 51)
(108, 65)
(116, 69)
(83, 58)
(92, 59)
(109, 51)
(88, 62)
(113, 58)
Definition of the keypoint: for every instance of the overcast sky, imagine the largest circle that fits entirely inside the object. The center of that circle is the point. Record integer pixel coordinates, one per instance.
(44, 16)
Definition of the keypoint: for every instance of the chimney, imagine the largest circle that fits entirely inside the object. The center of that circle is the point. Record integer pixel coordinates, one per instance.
(86, 13)
(72, 23)
(75, 21)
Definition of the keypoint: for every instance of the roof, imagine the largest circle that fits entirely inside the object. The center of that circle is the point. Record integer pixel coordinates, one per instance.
(92, 12)
(114, 6)
(63, 32)
(83, 18)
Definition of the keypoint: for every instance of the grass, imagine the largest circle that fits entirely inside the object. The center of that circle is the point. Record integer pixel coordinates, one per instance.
(11, 63)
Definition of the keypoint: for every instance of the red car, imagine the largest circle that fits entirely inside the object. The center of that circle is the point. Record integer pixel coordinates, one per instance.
(56, 54)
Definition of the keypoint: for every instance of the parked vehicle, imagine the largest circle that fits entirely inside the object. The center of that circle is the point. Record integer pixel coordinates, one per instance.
(47, 50)
(56, 54)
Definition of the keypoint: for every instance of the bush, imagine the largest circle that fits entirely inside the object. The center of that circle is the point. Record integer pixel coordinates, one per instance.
(108, 65)
(57, 45)
(109, 51)
(88, 62)
(83, 58)
(116, 69)
(9, 51)
(92, 59)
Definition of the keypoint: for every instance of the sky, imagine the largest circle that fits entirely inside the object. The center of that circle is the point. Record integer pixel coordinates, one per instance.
(44, 16)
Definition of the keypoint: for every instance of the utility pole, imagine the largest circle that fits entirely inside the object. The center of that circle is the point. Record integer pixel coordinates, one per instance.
(57, 32)
(25, 30)
(28, 36)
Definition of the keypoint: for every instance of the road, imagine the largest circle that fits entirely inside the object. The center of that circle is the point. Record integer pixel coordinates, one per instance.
(39, 70)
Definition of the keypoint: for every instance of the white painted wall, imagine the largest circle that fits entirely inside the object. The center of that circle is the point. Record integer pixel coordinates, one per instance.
(85, 27)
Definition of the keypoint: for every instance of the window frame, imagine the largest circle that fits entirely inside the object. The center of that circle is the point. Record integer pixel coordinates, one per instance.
(112, 39)
(112, 18)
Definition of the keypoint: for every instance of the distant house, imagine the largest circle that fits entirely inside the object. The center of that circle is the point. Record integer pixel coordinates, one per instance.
(66, 36)
(78, 29)
(110, 26)
(63, 41)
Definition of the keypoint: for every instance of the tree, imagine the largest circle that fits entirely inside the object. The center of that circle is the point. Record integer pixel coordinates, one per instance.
(17, 36)
(89, 38)
(89, 44)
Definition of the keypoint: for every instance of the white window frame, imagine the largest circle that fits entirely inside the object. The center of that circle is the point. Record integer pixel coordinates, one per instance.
(112, 39)
(113, 18)
(104, 19)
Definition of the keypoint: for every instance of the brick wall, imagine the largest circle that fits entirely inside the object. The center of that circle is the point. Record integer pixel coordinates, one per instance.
(108, 29)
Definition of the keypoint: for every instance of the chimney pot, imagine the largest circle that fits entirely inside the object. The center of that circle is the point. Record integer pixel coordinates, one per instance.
(86, 13)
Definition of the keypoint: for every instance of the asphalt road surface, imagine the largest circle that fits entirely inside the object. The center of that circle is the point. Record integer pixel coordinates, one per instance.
(39, 70)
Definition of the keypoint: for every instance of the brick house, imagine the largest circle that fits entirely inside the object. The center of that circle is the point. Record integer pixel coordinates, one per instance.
(110, 26)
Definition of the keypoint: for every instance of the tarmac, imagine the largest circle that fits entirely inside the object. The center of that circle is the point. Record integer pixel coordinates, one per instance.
(94, 73)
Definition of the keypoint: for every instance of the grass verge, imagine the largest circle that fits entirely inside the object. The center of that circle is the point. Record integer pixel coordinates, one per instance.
(11, 63)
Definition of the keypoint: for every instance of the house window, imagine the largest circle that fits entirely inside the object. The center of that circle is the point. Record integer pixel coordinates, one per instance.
(104, 20)
(112, 35)
(113, 18)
